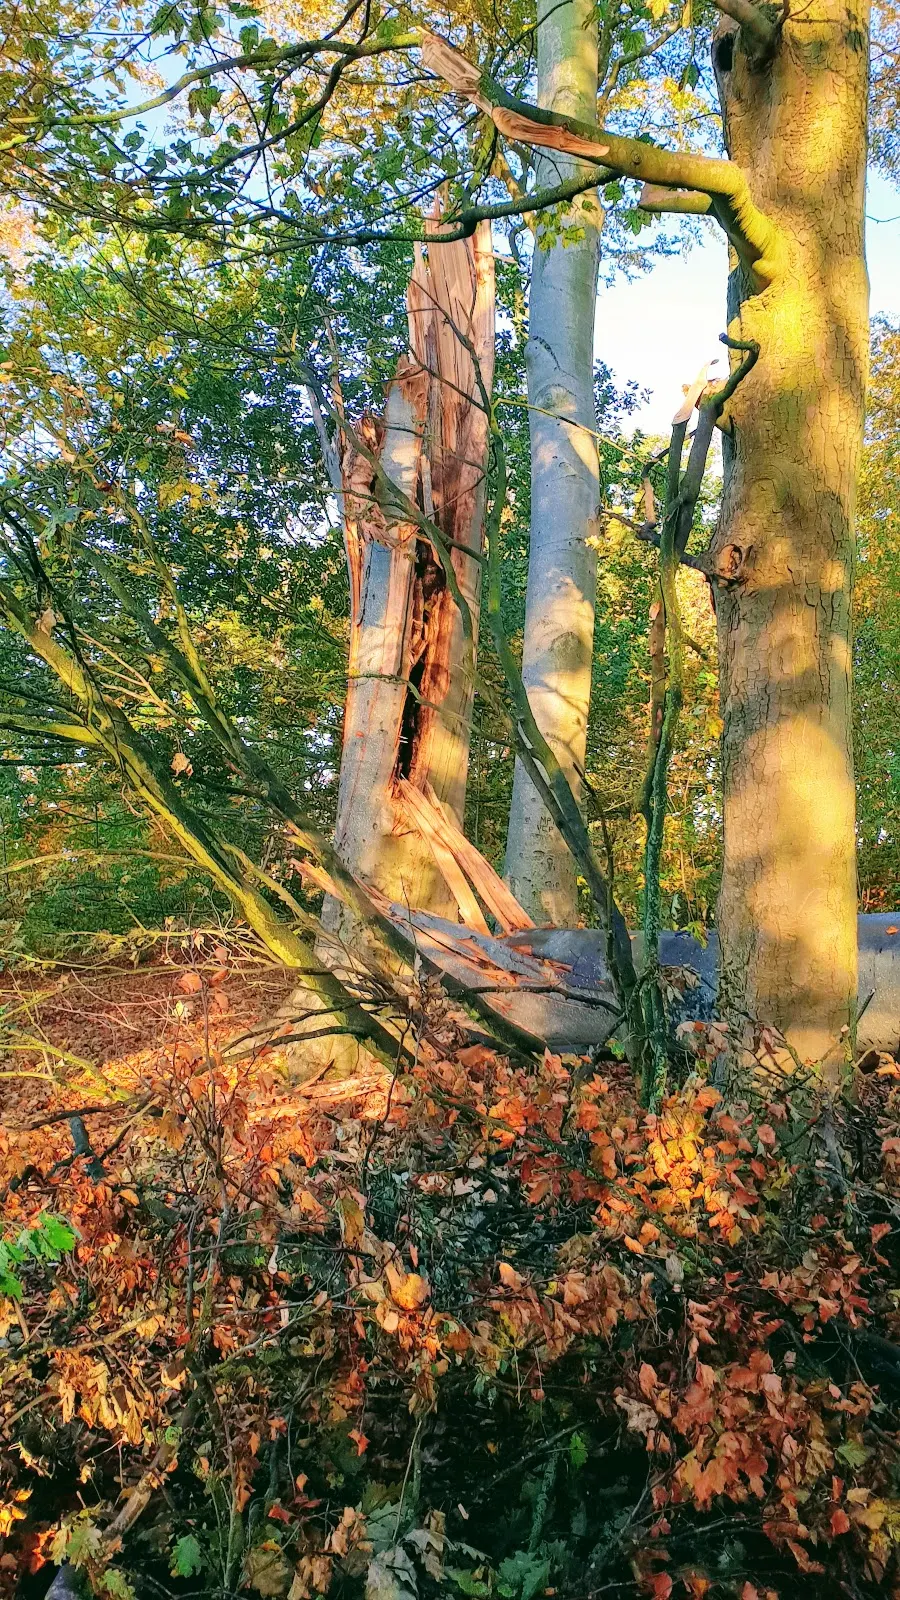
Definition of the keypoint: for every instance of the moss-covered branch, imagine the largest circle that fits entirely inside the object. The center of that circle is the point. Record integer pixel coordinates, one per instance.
(754, 236)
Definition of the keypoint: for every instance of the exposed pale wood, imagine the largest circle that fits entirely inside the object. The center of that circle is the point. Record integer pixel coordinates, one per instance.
(686, 201)
(428, 820)
(488, 884)
(455, 951)
(381, 558)
(451, 320)
(411, 668)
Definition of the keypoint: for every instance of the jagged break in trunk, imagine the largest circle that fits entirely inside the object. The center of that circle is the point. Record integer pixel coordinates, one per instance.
(796, 125)
(411, 683)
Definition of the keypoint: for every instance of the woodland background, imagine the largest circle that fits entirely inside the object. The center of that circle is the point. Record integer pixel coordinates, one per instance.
(471, 1323)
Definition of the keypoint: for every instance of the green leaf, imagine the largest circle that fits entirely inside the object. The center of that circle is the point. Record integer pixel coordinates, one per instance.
(467, 1583)
(391, 28)
(83, 1541)
(116, 1585)
(10, 1286)
(168, 19)
(522, 1575)
(187, 1557)
(577, 1451)
(59, 1236)
(853, 1453)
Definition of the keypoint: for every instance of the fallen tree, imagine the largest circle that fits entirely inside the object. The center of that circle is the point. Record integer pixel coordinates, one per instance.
(555, 985)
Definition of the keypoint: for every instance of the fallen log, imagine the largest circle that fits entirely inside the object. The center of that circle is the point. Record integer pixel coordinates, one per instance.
(501, 980)
(572, 1013)
(552, 986)
(583, 951)
(533, 991)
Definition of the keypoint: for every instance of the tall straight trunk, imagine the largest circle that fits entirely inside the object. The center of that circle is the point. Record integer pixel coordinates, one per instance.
(562, 566)
(791, 200)
(785, 542)
(410, 681)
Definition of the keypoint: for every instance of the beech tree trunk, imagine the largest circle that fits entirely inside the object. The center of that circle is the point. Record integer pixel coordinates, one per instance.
(785, 543)
(410, 683)
(562, 566)
(791, 201)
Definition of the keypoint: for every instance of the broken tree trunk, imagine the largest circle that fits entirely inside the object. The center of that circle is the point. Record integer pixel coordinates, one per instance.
(411, 667)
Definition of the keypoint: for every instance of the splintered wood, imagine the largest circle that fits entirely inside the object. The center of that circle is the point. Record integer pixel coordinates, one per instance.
(411, 664)
(527, 990)
(450, 845)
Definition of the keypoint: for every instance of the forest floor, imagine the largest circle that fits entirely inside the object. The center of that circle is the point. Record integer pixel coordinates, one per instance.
(262, 1337)
(112, 1016)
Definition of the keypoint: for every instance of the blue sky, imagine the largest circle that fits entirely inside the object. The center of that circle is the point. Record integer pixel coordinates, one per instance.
(661, 328)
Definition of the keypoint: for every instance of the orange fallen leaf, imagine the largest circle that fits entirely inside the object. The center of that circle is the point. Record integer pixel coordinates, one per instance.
(660, 1586)
(410, 1292)
(648, 1382)
(509, 1275)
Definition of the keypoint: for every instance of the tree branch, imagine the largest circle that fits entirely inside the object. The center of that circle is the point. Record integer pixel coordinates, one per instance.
(762, 33)
(668, 638)
(686, 202)
(755, 238)
(110, 729)
(289, 55)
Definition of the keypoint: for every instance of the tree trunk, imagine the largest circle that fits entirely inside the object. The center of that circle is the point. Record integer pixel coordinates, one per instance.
(787, 913)
(562, 567)
(410, 683)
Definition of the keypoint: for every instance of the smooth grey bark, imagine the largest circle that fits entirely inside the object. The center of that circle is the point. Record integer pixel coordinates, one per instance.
(562, 567)
(585, 1014)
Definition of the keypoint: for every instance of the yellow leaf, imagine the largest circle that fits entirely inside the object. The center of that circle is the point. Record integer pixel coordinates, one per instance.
(411, 1292)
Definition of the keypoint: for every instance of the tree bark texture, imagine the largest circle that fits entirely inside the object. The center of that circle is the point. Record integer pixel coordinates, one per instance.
(411, 668)
(562, 568)
(796, 125)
